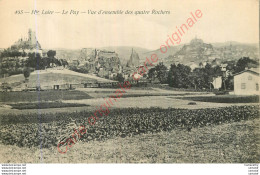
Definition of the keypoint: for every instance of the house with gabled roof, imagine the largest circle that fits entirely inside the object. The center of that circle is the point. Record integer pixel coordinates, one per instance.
(247, 82)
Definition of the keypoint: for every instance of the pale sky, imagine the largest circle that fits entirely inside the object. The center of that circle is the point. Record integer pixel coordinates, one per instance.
(222, 20)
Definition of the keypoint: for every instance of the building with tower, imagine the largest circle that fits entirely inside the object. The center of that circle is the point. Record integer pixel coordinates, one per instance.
(28, 44)
(134, 59)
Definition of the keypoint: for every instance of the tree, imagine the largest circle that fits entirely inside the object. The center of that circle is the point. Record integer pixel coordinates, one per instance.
(51, 53)
(120, 78)
(229, 82)
(160, 72)
(35, 61)
(209, 74)
(179, 76)
(171, 75)
(26, 73)
(217, 71)
(65, 63)
(200, 79)
(152, 73)
(244, 62)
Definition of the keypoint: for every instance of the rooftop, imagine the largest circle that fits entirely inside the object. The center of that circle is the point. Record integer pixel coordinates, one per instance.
(252, 70)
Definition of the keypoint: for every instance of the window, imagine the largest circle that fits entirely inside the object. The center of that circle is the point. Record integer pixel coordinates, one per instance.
(257, 87)
(249, 77)
(243, 85)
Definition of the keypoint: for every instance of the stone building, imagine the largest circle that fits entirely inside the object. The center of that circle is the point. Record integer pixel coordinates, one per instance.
(134, 59)
(29, 44)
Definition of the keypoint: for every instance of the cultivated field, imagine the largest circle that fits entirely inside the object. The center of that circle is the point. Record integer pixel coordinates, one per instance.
(38, 96)
(154, 134)
(146, 125)
(236, 142)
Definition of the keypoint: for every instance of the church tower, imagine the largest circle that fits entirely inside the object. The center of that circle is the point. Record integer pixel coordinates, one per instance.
(32, 37)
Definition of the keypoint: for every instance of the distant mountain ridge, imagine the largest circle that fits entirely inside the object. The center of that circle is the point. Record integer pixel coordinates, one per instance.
(184, 53)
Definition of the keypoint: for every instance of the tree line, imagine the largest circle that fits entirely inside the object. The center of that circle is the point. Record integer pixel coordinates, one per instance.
(11, 64)
(40, 63)
(181, 76)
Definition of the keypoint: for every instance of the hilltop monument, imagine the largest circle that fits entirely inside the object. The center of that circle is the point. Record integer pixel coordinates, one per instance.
(29, 43)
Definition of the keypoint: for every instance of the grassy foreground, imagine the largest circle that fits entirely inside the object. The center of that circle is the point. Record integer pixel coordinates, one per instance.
(236, 142)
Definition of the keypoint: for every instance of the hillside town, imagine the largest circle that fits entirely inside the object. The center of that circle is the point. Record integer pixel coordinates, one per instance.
(196, 66)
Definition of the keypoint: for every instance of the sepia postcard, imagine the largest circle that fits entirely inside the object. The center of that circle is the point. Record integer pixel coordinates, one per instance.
(166, 81)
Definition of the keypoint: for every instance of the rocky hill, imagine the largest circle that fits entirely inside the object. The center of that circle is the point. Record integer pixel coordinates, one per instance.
(197, 51)
(124, 52)
(108, 60)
